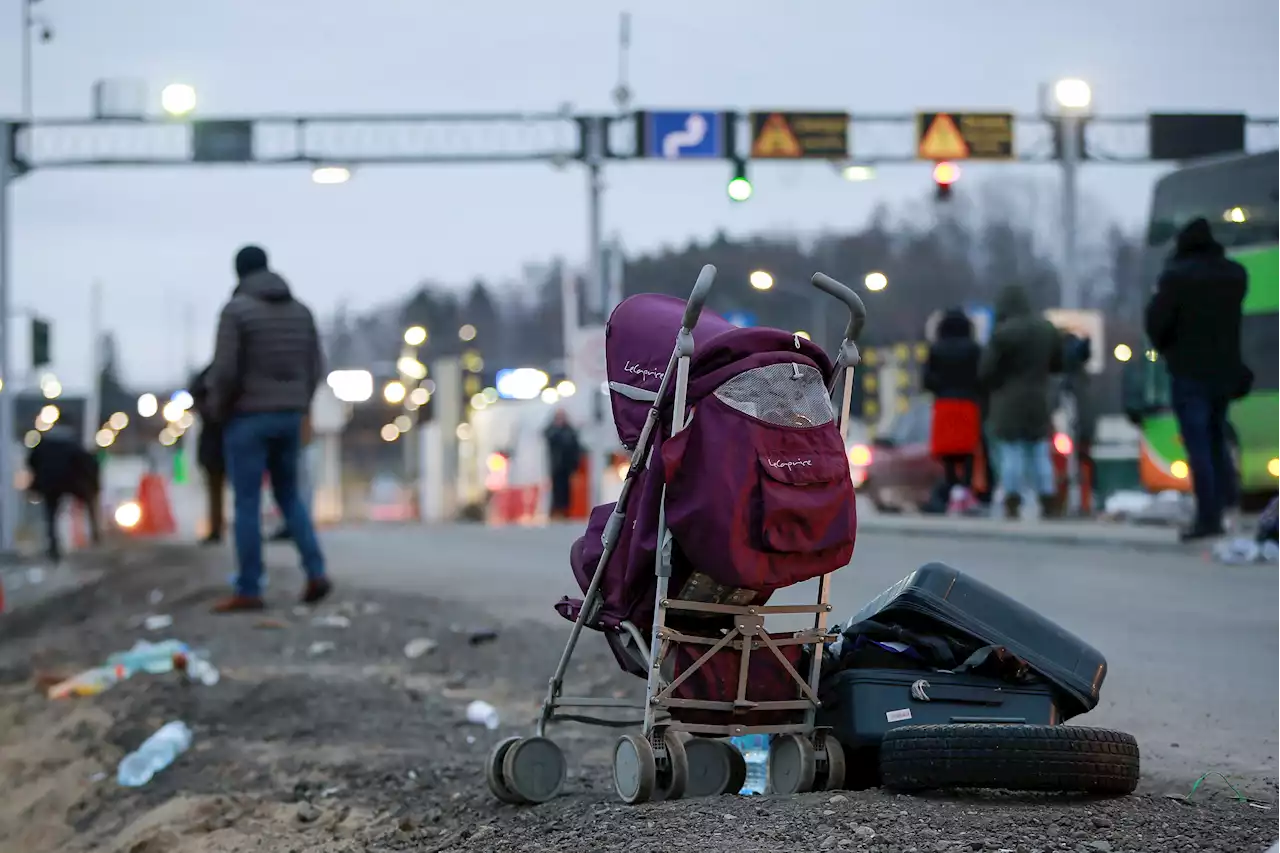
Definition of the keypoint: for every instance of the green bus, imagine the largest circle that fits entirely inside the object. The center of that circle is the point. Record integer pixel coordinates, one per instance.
(1237, 195)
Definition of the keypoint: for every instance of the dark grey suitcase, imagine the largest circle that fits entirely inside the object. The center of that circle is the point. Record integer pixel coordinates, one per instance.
(938, 595)
(861, 705)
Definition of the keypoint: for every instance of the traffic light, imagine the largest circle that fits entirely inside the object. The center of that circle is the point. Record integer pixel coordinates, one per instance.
(944, 175)
(41, 344)
(739, 188)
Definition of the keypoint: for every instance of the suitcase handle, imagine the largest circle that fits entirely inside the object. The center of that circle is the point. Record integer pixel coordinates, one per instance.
(923, 691)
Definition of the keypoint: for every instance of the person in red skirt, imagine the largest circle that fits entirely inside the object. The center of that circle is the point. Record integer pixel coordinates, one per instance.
(951, 375)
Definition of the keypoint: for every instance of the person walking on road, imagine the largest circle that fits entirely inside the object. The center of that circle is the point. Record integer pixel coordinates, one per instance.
(564, 454)
(211, 459)
(1025, 350)
(1193, 320)
(61, 468)
(266, 367)
(951, 375)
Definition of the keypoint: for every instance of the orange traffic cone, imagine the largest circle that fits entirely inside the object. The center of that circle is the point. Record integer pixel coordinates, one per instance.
(157, 513)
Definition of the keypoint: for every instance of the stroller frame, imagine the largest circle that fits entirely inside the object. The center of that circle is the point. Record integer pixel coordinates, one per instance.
(533, 770)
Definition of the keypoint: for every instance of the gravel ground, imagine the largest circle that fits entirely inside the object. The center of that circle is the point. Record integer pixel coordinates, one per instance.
(305, 746)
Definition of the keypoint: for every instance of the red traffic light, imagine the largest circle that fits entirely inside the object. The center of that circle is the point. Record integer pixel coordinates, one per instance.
(946, 173)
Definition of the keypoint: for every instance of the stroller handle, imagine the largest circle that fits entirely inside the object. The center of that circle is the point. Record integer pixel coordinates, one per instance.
(857, 311)
(693, 308)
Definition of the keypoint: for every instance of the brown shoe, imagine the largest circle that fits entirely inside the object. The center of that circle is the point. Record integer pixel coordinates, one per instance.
(317, 590)
(238, 604)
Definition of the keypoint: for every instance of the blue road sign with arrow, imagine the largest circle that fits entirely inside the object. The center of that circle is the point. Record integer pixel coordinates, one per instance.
(683, 134)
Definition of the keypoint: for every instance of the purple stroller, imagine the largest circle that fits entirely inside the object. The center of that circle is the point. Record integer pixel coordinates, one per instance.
(738, 486)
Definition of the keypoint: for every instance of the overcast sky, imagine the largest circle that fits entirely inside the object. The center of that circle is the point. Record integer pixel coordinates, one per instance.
(161, 239)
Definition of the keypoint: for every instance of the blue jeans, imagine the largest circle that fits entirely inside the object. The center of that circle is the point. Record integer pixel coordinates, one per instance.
(1020, 461)
(1202, 420)
(258, 444)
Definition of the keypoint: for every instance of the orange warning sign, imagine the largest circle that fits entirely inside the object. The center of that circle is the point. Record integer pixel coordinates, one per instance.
(964, 136)
(942, 140)
(792, 135)
(775, 139)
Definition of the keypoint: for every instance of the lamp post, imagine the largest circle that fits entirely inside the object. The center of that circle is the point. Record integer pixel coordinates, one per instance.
(30, 22)
(763, 280)
(1072, 99)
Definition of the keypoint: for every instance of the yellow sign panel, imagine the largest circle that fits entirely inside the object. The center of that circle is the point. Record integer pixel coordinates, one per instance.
(784, 135)
(942, 140)
(964, 136)
(775, 139)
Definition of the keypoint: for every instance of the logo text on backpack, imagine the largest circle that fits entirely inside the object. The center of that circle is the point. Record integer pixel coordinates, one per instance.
(642, 372)
(791, 463)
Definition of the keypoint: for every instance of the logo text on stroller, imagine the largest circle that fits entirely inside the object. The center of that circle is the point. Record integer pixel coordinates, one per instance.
(791, 463)
(643, 372)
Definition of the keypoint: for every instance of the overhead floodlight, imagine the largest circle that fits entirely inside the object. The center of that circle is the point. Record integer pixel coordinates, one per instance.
(351, 386)
(178, 99)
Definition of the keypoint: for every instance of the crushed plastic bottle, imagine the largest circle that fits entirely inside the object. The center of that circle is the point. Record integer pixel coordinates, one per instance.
(155, 658)
(755, 749)
(156, 753)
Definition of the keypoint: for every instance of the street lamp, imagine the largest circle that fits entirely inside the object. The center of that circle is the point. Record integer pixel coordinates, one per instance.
(1122, 352)
(876, 281)
(148, 405)
(415, 336)
(467, 332)
(330, 175)
(394, 392)
(351, 386)
(855, 172)
(178, 99)
(761, 280)
(1073, 94)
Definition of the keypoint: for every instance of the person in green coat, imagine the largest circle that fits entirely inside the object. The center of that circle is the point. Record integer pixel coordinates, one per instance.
(1016, 369)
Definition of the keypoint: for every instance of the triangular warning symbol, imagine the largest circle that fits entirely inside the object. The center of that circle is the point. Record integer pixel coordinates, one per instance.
(776, 139)
(942, 140)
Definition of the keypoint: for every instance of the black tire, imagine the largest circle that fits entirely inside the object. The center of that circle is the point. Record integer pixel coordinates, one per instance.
(1071, 759)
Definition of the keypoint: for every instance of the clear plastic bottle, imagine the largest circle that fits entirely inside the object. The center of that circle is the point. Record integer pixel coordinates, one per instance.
(146, 656)
(156, 753)
(755, 749)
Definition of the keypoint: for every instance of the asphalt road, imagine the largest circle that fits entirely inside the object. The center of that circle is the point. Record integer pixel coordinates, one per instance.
(1191, 645)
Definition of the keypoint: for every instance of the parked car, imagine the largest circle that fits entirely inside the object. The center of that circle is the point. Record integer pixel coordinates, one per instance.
(901, 474)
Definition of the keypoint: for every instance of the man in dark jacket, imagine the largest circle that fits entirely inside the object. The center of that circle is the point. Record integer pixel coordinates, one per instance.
(60, 468)
(1193, 320)
(951, 375)
(210, 457)
(265, 370)
(1025, 350)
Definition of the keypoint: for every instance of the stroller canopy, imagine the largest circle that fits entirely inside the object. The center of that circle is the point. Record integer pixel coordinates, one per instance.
(639, 338)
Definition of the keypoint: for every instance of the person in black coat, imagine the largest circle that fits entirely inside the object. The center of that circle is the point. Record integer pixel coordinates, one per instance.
(60, 468)
(1193, 320)
(564, 454)
(211, 459)
(951, 375)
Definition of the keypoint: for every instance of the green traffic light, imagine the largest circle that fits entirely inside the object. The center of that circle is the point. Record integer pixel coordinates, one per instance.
(739, 189)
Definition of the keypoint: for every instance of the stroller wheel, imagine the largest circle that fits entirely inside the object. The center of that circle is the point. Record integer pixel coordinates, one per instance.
(493, 773)
(635, 769)
(715, 768)
(673, 778)
(831, 778)
(793, 764)
(534, 769)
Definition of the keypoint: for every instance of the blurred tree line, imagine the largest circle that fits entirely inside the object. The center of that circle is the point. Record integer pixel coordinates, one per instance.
(934, 256)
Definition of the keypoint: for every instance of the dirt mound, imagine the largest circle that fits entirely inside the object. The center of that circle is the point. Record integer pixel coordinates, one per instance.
(324, 736)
